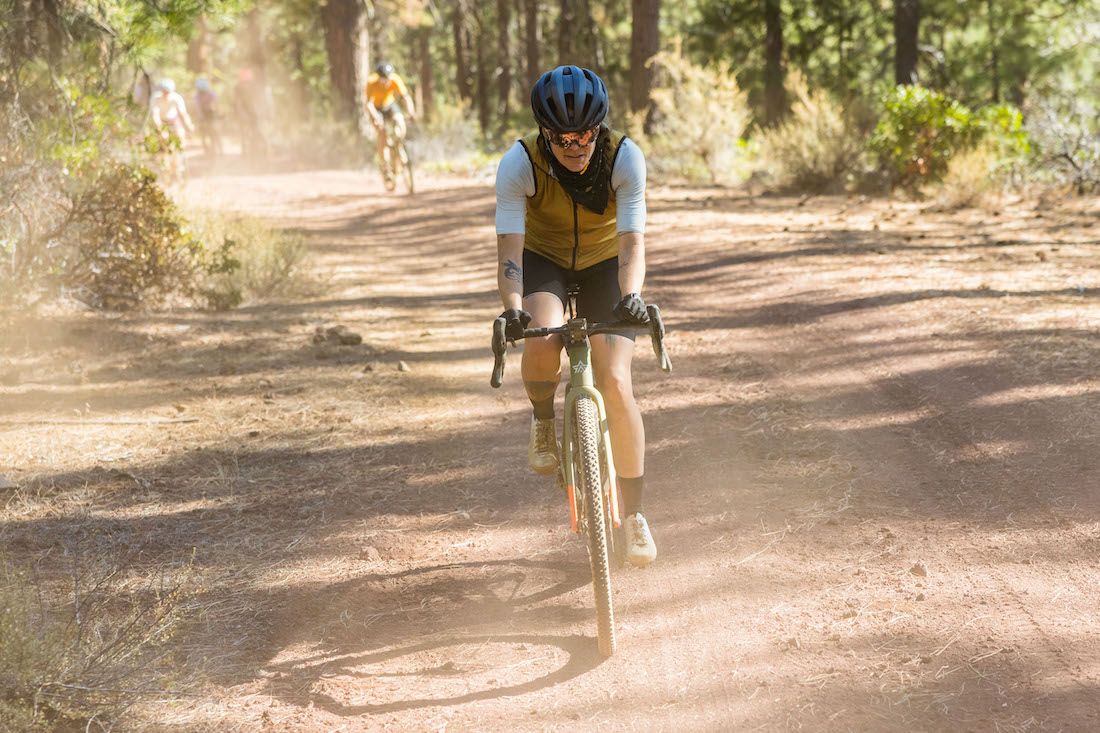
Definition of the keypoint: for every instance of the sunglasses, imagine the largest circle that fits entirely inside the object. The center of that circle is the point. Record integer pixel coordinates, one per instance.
(566, 140)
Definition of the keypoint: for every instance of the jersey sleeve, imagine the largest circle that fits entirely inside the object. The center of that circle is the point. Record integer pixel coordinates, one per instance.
(628, 181)
(181, 108)
(399, 86)
(515, 183)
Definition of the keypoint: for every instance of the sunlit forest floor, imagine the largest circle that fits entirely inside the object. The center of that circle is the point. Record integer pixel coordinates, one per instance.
(874, 481)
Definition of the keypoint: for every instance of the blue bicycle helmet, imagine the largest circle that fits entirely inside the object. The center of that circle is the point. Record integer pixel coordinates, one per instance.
(569, 99)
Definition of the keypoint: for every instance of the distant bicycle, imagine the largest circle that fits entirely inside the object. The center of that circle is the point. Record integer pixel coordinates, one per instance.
(165, 150)
(587, 471)
(396, 163)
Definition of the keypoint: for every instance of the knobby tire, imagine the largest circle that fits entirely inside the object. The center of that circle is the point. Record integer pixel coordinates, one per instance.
(587, 460)
(406, 166)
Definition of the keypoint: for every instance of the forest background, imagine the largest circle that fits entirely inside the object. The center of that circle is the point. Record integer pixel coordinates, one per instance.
(977, 98)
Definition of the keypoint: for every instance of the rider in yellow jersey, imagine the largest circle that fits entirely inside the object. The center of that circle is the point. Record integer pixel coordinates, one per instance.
(385, 93)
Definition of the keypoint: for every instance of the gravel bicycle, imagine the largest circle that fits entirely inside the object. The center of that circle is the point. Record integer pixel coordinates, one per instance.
(165, 148)
(395, 159)
(587, 471)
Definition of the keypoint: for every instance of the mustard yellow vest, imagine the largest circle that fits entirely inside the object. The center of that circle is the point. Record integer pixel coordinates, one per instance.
(560, 230)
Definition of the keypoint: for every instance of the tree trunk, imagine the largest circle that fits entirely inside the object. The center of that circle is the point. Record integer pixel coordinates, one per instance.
(590, 53)
(340, 19)
(775, 97)
(427, 80)
(197, 49)
(483, 93)
(531, 30)
(55, 36)
(462, 45)
(504, 54)
(994, 58)
(254, 47)
(363, 52)
(567, 33)
(645, 41)
(21, 37)
(298, 89)
(841, 60)
(906, 34)
(378, 23)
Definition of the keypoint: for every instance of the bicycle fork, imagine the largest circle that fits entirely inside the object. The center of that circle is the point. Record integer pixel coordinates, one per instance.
(581, 384)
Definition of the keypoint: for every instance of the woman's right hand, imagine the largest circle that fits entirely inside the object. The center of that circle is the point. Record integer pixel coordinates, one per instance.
(516, 319)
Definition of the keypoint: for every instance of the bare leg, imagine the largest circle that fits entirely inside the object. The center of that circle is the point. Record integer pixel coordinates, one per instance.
(383, 155)
(541, 364)
(611, 357)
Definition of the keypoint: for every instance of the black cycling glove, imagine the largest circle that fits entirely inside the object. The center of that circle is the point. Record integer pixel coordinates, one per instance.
(632, 310)
(517, 320)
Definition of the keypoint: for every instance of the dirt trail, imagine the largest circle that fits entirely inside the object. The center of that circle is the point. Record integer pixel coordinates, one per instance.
(875, 488)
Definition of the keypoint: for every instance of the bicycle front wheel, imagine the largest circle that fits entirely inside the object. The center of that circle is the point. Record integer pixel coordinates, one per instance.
(586, 455)
(406, 166)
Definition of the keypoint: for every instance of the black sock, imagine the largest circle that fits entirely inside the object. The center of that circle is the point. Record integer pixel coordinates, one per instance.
(631, 490)
(541, 395)
(544, 409)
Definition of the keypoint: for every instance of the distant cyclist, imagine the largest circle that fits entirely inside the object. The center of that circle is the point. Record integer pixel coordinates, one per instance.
(571, 210)
(171, 121)
(206, 109)
(386, 93)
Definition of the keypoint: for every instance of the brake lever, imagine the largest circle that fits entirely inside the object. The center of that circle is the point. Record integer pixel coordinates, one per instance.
(500, 352)
(657, 336)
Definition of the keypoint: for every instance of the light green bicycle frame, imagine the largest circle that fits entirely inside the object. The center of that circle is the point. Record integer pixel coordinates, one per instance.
(581, 384)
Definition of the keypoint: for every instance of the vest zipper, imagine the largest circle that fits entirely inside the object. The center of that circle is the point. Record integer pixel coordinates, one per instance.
(576, 236)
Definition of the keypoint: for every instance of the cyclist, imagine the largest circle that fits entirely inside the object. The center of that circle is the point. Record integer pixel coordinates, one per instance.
(206, 103)
(170, 118)
(383, 91)
(571, 210)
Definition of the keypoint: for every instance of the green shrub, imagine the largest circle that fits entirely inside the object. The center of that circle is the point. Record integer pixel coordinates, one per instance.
(124, 244)
(698, 120)
(81, 225)
(245, 259)
(974, 177)
(79, 222)
(1002, 134)
(816, 146)
(1065, 132)
(918, 132)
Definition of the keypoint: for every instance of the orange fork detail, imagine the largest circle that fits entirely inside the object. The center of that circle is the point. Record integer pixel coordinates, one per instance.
(616, 521)
(571, 493)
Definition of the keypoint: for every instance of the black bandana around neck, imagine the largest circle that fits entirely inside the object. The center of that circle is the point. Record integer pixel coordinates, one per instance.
(592, 187)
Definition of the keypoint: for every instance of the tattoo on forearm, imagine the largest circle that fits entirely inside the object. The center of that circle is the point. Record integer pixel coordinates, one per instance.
(512, 271)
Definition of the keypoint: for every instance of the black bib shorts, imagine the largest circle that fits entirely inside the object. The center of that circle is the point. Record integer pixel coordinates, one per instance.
(599, 286)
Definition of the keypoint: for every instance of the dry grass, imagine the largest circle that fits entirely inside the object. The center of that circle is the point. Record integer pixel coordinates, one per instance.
(817, 147)
(972, 180)
(82, 648)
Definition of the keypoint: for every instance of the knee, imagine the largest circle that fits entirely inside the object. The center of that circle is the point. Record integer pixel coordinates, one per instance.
(615, 384)
(542, 354)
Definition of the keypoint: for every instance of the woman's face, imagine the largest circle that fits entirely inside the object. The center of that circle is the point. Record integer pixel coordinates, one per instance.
(573, 149)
